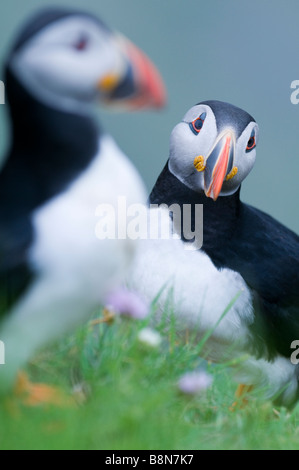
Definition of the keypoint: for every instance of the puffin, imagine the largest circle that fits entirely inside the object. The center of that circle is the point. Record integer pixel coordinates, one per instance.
(60, 167)
(246, 257)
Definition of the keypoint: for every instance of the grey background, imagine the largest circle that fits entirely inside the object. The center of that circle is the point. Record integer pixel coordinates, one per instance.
(243, 52)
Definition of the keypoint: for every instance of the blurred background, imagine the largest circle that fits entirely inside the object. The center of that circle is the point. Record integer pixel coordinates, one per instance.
(241, 52)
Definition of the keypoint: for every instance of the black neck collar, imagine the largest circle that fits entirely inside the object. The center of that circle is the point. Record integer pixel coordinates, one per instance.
(219, 216)
(170, 189)
(49, 149)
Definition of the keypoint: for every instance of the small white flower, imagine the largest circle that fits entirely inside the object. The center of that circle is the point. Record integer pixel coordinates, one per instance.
(193, 383)
(150, 337)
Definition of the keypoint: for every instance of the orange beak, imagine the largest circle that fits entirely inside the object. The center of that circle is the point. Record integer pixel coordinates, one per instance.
(218, 165)
(138, 85)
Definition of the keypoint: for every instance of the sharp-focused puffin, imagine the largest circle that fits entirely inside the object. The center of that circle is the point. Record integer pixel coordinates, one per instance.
(212, 151)
(60, 167)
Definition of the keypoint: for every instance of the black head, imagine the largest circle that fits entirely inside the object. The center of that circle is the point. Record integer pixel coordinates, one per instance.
(44, 18)
(228, 115)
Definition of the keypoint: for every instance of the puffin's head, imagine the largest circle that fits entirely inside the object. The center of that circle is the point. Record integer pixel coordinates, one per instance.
(69, 58)
(214, 148)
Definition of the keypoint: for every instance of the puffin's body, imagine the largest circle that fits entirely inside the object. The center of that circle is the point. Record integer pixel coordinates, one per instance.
(61, 166)
(244, 250)
(250, 242)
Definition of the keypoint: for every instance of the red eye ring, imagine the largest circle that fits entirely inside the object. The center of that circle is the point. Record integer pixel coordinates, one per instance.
(197, 124)
(81, 44)
(251, 143)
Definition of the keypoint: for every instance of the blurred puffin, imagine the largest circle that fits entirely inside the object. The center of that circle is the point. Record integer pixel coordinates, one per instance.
(60, 167)
(212, 151)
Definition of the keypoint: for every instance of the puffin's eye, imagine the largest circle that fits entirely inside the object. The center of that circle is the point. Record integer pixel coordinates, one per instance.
(81, 44)
(197, 124)
(251, 142)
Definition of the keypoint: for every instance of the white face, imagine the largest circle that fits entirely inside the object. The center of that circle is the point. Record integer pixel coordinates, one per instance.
(64, 63)
(186, 145)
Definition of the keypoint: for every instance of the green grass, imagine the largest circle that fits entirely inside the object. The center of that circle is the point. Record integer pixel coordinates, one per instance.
(132, 401)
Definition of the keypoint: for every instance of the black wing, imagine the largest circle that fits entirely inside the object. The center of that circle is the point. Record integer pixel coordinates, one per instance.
(15, 273)
(272, 270)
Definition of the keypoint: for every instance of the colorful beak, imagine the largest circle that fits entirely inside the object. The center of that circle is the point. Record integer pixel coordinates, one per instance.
(138, 85)
(219, 164)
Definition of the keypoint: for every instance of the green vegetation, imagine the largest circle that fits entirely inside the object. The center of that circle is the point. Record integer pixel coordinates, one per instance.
(129, 399)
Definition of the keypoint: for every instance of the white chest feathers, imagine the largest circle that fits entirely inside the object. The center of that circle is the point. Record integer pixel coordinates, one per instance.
(67, 247)
(198, 292)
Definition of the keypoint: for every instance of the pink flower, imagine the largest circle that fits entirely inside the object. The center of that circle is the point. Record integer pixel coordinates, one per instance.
(124, 302)
(193, 383)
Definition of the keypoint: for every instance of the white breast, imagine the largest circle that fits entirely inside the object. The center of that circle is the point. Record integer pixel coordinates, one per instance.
(207, 302)
(67, 247)
(199, 293)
